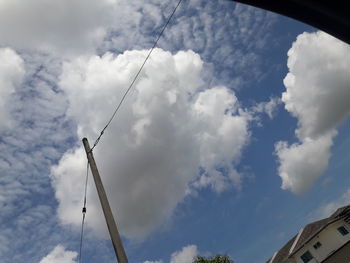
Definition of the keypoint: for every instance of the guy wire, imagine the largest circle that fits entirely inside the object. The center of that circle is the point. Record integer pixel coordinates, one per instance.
(136, 76)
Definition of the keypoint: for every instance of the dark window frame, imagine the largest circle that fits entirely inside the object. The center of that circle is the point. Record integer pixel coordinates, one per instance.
(317, 245)
(343, 230)
(307, 256)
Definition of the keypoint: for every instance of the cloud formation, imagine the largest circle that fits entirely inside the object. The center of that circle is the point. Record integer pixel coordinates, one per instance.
(230, 37)
(44, 33)
(301, 164)
(60, 255)
(186, 255)
(269, 107)
(49, 33)
(166, 131)
(55, 26)
(317, 92)
(11, 76)
(36, 139)
(75, 28)
(329, 208)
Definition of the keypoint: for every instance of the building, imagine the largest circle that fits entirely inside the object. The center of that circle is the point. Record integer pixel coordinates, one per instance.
(323, 241)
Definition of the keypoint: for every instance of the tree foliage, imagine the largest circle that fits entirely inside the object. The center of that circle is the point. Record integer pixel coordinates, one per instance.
(215, 259)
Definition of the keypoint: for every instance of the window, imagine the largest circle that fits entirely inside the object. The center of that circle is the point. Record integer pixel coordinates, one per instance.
(306, 257)
(342, 230)
(317, 245)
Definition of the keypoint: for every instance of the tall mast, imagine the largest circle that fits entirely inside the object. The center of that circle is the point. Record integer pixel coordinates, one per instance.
(112, 227)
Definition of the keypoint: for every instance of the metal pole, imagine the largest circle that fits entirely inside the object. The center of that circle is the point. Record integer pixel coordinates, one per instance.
(112, 227)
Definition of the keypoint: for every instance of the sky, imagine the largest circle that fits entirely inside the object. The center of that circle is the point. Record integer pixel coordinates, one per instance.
(234, 136)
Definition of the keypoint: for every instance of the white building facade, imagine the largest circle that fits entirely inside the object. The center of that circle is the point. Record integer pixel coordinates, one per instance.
(323, 241)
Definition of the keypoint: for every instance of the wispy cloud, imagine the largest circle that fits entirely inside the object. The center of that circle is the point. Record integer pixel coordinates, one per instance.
(38, 135)
(11, 76)
(230, 37)
(268, 107)
(327, 209)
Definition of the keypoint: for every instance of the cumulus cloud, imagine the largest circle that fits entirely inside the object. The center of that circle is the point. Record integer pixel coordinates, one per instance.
(43, 33)
(11, 74)
(302, 163)
(186, 255)
(317, 85)
(317, 92)
(60, 255)
(166, 131)
(56, 26)
(49, 32)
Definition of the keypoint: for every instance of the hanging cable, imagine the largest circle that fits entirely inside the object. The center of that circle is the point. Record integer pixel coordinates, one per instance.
(84, 212)
(136, 76)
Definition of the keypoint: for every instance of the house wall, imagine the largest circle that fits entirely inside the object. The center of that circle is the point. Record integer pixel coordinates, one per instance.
(331, 240)
(342, 256)
(289, 260)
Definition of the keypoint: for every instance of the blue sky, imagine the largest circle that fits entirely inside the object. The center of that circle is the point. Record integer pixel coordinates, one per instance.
(233, 138)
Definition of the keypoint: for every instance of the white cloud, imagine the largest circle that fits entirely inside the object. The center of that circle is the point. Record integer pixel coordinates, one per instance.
(32, 118)
(11, 75)
(317, 92)
(317, 85)
(186, 255)
(222, 136)
(228, 36)
(74, 28)
(56, 26)
(36, 138)
(39, 30)
(44, 33)
(301, 164)
(60, 255)
(269, 107)
(327, 209)
(165, 131)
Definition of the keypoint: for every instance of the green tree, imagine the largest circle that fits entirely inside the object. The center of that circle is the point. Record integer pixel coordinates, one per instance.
(215, 259)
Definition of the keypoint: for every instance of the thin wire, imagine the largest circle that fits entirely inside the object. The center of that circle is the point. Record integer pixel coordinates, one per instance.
(86, 182)
(84, 212)
(136, 76)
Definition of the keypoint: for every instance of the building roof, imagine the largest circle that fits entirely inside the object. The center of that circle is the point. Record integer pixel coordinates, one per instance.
(283, 253)
(307, 233)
